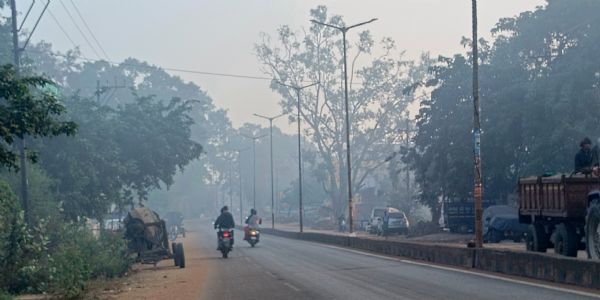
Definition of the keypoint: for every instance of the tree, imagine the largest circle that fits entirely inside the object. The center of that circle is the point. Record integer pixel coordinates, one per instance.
(119, 153)
(376, 101)
(539, 97)
(26, 110)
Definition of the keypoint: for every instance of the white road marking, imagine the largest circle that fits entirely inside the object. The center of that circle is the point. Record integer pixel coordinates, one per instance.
(490, 276)
(292, 286)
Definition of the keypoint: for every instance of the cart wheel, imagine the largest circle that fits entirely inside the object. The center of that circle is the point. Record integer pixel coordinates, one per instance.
(179, 255)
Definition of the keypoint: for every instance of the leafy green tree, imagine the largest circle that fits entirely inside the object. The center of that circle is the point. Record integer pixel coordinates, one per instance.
(540, 93)
(119, 153)
(26, 111)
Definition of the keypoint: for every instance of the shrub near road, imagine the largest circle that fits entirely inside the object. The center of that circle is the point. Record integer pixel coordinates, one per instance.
(54, 257)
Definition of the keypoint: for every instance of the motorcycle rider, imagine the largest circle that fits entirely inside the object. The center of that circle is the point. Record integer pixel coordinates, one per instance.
(252, 222)
(225, 221)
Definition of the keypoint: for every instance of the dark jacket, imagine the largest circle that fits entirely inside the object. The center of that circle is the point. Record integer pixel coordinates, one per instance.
(584, 160)
(225, 220)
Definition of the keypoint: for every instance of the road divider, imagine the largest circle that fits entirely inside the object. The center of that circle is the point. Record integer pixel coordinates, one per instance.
(563, 270)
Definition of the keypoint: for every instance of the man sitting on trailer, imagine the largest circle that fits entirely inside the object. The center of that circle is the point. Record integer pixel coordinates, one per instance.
(584, 159)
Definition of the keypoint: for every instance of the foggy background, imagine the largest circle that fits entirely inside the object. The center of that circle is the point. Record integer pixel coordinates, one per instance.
(219, 36)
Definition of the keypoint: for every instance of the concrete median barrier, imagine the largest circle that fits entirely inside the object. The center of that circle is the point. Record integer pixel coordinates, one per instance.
(564, 270)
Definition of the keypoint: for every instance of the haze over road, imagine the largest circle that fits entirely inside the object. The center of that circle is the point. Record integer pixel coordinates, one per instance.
(280, 268)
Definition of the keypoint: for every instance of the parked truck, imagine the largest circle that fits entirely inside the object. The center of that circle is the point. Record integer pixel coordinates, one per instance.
(563, 212)
(459, 214)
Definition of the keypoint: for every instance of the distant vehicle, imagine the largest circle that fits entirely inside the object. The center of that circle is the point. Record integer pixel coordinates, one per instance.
(562, 211)
(253, 237)
(459, 214)
(396, 221)
(501, 222)
(225, 241)
(174, 221)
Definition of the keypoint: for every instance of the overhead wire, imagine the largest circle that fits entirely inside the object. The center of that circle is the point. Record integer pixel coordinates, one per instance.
(89, 29)
(61, 28)
(79, 29)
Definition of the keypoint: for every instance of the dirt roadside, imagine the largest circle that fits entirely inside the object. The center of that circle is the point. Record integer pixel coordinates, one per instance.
(164, 282)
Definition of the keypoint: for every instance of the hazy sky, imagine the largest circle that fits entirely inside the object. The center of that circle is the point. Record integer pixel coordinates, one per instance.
(219, 35)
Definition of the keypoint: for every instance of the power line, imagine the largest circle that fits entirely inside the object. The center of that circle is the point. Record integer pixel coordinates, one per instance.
(61, 29)
(89, 30)
(164, 68)
(79, 29)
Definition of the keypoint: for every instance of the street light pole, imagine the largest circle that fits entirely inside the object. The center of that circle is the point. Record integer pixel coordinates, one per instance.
(344, 30)
(271, 152)
(477, 182)
(298, 89)
(239, 151)
(254, 138)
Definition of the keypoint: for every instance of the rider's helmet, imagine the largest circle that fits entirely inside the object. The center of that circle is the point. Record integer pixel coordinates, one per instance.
(253, 211)
(224, 209)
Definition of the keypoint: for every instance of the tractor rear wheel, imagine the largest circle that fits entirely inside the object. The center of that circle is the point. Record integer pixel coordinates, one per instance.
(592, 230)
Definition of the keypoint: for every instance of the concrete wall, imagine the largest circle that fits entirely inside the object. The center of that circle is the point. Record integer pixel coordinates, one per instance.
(584, 273)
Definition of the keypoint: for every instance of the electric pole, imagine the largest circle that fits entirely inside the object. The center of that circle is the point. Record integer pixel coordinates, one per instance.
(270, 119)
(478, 186)
(254, 138)
(298, 89)
(344, 30)
(17, 61)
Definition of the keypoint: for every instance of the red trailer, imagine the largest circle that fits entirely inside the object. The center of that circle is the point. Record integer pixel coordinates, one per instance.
(563, 211)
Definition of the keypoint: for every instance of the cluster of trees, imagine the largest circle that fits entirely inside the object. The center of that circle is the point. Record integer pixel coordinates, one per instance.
(99, 136)
(540, 91)
(540, 96)
(377, 98)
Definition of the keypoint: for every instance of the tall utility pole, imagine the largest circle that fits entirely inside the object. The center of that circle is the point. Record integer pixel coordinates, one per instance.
(254, 138)
(478, 186)
(298, 89)
(344, 30)
(230, 185)
(239, 151)
(272, 183)
(17, 61)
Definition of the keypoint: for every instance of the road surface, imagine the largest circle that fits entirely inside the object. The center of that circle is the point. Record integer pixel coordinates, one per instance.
(280, 268)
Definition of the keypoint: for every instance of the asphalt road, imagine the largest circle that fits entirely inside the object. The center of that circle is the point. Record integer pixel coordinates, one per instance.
(280, 268)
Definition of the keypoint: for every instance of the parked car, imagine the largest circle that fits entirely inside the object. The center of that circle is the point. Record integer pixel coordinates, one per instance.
(388, 220)
(501, 222)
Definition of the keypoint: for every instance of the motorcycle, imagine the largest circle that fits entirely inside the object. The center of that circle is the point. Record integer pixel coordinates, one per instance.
(253, 237)
(225, 241)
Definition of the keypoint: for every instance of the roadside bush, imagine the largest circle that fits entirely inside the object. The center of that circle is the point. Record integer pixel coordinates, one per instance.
(5, 296)
(53, 256)
(81, 256)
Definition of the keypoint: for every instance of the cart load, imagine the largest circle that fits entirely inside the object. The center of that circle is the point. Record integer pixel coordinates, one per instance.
(147, 237)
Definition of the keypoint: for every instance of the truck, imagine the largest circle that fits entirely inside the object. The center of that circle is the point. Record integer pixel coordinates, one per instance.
(562, 211)
(459, 214)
